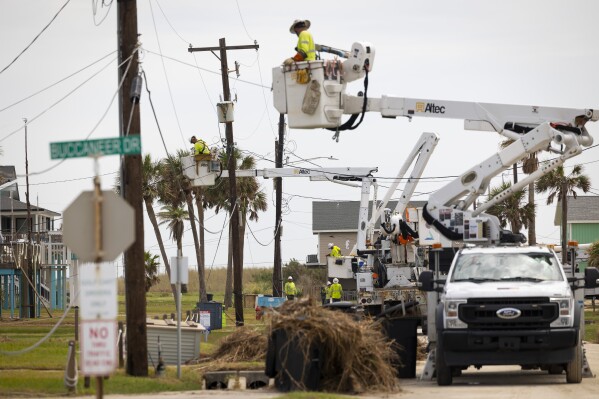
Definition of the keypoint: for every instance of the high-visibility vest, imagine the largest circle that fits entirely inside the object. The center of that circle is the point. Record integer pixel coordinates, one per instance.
(290, 288)
(336, 291)
(327, 292)
(305, 46)
(200, 147)
(336, 251)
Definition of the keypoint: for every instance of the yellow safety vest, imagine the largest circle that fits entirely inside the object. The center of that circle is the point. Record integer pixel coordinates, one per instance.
(290, 288)
(305, 46)
(336, 251)
(200, 147)
(336, 291)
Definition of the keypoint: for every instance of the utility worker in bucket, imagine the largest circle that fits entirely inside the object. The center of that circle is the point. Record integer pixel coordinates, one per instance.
(199, 146)
(336, 291)
(290, 290)
(335, 250)
(305, 49)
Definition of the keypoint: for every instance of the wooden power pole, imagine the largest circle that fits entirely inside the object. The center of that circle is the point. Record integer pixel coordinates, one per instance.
(237, 266)
(277, 278)
(135, 292)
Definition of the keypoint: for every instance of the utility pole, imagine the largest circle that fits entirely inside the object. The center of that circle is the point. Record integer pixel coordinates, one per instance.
(237, 266)
(30, 297)
(129, 122)
(277, 279)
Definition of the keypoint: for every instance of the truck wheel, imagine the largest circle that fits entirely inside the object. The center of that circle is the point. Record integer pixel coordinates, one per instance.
(444, 376)
(574, 368)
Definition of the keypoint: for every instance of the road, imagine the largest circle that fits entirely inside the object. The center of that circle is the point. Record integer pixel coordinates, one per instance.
(497, 382)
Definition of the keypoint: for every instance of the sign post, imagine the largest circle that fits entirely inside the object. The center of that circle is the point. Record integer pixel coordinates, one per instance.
(98, 226)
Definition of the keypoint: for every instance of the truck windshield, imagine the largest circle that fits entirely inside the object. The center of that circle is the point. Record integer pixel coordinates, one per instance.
(483, 267)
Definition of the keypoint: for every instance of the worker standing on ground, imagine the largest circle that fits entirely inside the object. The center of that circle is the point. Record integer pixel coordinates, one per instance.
(290, 289)
(336, 291)
(199, 146)
(335, 250)
(325, 293)
(305, 49)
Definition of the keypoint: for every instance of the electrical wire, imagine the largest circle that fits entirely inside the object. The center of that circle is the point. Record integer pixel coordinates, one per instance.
(31, 120)
(95, 9)
(36, 37)
(169, 23)
(129, 59)
(55, 83)
(168, 84)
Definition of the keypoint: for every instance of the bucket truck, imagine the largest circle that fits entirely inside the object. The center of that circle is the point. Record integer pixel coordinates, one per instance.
(501, 303)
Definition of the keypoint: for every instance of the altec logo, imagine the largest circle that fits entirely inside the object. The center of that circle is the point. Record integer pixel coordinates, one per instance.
(430, 108)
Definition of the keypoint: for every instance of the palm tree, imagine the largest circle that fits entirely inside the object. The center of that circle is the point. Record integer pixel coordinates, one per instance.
(511, 209)
(593, 253)
(178, 189)
(151, 177)
(174, 217)
(152, 264)
(560, 185)
(250, 200)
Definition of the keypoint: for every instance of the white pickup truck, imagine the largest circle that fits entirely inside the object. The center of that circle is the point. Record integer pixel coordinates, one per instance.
(508, 306)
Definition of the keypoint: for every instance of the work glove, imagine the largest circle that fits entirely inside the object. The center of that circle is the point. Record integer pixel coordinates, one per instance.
(288, 62)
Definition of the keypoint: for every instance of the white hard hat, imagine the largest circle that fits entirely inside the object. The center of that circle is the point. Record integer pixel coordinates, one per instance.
(330, 245)
(335, 280)
(289, 278)
(328, 283)
(304, 22)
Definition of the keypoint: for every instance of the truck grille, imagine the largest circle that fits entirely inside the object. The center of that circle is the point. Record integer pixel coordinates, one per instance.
(481, 313)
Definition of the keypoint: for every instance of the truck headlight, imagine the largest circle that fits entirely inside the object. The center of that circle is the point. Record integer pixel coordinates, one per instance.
(451, 318)
(565, 315)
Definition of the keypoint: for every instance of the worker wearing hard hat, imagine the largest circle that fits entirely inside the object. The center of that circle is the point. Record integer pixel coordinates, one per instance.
(325, 293)
(335, 250)
(336, 291)
(305, 49)
(199, 146)
(290, 290)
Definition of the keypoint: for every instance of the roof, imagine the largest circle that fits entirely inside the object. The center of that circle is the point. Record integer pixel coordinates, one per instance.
(7, 205)
(583, 208)
(9, 173)
(343, 215)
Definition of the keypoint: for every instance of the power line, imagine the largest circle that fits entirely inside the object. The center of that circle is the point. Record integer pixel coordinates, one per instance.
(36, 37)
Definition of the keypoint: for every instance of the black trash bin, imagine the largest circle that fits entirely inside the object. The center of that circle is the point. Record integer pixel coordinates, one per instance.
(404, 331)
(287, 363)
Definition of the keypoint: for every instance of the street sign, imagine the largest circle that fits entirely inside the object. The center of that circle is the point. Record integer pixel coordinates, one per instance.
(97, 292)
(128, 145)
(118, 226)
(98, 347)
(183, 268)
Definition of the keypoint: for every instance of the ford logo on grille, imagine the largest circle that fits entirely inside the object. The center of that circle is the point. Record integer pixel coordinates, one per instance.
(508, 313)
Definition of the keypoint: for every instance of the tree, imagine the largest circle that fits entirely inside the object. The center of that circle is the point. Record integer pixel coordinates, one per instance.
(151, 178)
(511, 209)
(174, 217)
(593, 252)
(152, 264)
(251, 201)
(559, 185)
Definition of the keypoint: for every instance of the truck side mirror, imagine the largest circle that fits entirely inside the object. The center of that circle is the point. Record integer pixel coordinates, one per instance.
(426, 281)
(591, 277)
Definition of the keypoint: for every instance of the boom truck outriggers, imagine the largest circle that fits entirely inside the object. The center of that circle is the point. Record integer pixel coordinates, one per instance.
(501, 302)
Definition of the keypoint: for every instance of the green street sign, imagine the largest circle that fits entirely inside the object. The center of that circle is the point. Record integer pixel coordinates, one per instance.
(75, 149)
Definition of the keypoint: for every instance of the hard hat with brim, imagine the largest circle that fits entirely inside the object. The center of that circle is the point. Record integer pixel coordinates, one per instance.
(305, 22)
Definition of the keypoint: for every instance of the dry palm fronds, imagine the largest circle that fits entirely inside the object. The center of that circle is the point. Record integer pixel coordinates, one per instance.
(356, 356)
(243, 345)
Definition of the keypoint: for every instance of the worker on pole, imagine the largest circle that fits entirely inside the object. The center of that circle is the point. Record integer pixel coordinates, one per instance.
(199, 146)
(305, 50)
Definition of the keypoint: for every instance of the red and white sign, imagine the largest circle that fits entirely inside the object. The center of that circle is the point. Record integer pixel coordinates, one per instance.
(98, 347)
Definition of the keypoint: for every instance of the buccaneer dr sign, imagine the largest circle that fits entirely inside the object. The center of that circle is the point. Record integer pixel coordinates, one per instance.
(75, 149)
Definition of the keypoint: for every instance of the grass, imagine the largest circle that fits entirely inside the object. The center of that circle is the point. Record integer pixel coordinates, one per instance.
(47, 362)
